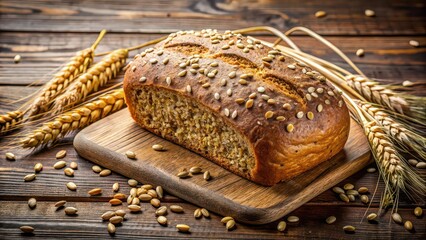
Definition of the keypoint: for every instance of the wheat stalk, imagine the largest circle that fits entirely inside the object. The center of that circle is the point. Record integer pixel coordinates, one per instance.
(77, 65)
(89, 82)
(73, 120)
(9, 121)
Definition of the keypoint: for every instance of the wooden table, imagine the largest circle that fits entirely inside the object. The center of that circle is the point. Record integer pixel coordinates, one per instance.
(46, 34)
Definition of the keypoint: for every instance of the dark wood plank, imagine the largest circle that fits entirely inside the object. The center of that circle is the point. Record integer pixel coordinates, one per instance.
(393, 17)
(52, 223)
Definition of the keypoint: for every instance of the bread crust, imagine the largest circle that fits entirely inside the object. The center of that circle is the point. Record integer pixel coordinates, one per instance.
(263, 76)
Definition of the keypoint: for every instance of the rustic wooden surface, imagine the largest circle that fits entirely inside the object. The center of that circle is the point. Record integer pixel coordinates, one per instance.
(46, 33)
(226, 193)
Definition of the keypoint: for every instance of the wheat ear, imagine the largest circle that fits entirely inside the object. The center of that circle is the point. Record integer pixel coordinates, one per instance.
(9, 121)
(73, 120)
(77, 65)
(89, 82)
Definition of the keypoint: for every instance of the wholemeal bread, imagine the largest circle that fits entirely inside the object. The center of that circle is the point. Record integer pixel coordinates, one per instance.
(237, 102)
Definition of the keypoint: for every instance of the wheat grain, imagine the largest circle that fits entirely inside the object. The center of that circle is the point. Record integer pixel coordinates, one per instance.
(89, 82)
(73, 120)
(9, 121)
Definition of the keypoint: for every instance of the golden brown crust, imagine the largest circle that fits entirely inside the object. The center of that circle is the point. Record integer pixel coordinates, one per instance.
(270, 94)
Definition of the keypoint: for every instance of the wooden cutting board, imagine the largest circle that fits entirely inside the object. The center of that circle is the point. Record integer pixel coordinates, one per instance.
(106, 141)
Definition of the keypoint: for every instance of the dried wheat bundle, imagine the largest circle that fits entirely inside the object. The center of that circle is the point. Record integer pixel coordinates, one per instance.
(75, 119)
(89, 82)
(9, 121)
(77, 65)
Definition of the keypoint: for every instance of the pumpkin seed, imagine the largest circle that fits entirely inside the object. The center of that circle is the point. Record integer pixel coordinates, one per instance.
(27, 229)
(69, 172)
(96, 169)
(408, 225)
(293, 219)
(176, 208)
(111, 228)
(160, 192)
(116, 219)
(95, 191)
(130, 155)
(71, 210)
(226, 219)
(145, 197)
(364, 199)
(348, 186)
(281, 226)
(183, 228)
(60, 203)
(162, 220)
(115, 187)
(105, 172)
(205, 212)
(161, 211)
(107, 215)
(155, 202)
(10, 156)
(38, 167)
(61, 154)
(338, 190)
(372, 217)
(197, 213)
(120, 213)
(115, 202)
(397, 218)
(59, 164)
(349, 228)
(195, 170)
(418, 211)
(230, 224)
(330, 220)
(344, 198)
(74, 165)
(206, 175)
(158, 147)
(32, 203)
(134, 208)
(132, 182)
(71, 186)
(29, 177)
(120, 196)
(363, 190)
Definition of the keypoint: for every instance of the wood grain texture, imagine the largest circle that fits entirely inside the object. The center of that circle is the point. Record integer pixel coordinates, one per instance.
(106, 141)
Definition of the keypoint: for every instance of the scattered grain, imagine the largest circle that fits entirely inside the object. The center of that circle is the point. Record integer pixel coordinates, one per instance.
(348, 186)
(111, 228)
(69, 172)
(120, 196)
(134, 208)
(338, 190)
(17, 59)
(155, 202)
(71, 210)
(369, 13)
(183, 228)
(281, 226)
(418, 211)
(130, 154)
(397, 218)
(61, 203)
(349, 228)
(160, 192)
(59, 165)
(38, 167)
(132, 182)
(26, 229)
(95, 191)
(176, 208)
(162, 220)
(71, 186)
(105, 172)
(197, 213)
(115, 202)
(330, 220)
(408, 225)
(32, 203)
(224, 220)
(116, 220)
(371, 217)
(10, 156)
(206, 175)
(414, 43)
(344, 198)
(363, 190)
(61, 154)
(293, 219)
(145, 197)
(371, 170)
(29, 177)
(230, 224)
(158, 147)
(320, 14)
(115, 187)
(364, 199)
(96, 169)
(161, 211)
(205, 212)
(120, 212)
(360, 52)
(195, 170)
(421, 165)
(107, 215)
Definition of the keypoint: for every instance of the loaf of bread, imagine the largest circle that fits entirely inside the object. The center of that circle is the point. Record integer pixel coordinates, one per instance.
(243, 105)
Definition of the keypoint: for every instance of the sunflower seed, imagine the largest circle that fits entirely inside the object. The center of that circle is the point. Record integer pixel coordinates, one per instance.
(371, 217)
(69, 172)
(32, 203)
(330, 220)
(116, 219)
(27, 229)
(59, 165)
(408, 225)
(71, 210)
(132, 182)
(160, 192)
(111, 228)
(161, 211)
(107, 215)
(96, 169)
(130, 155)
(71, 186)
(95, 191)
(105, 172)
(281, 226)
(120, 213)
(418, 211)
(230, 224)
(60, 203)
(74, 165)
(349, 228)
(10, 156)
(115, 187)
(61, 154)
(183, 228)
(176, 208)
(134, 208)
(206, 175)
(29, 177)
(197, 213)
(162, 220)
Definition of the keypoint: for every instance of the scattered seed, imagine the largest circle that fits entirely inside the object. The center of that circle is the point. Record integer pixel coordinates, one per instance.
(26, 229)
(95, 191)
(205, 212)
(135, 201)
(116, 220)
(107, 215)
(330, 220)
(290, 128)
(183, 174)
(160, 192)
(360, 52)
(60, 203)
(413, 162)
(369, 13)
(115, 187)
(320, 14)
(134, 208)
(38, 167)
(96, 169)
(224, 220)
(152, 193)
(29, 177)
(74, 165)
(397, 218)
(371, 217)
(176, 208)
(147, 186)
(230, 224)
(162, 220)
(418, 211)
(183, 228)
(142, 79)
(338, 190)
(71, 210)
(132, 182)
(61, 154)
(292, 67)
(130, 155)
(120, 196)
(197, 213)
(344, 198)
(293, 219)
(352, 192)
(145, 197)
(10, 156)
(111, 228)
(59, 165)
(414, 43)
(349, 228)
(351, 197)
(364, 199)
(105, 172)
(161, 211)
(408, 225)
(371, 170)
(71, 186)
(348, 186)
(182, 73)
(115, 202)
(69, 172)
(206, 175)
(158, 147)
(32, 203)
(120, 212)
(421, 165)
(407, 83)
(155, 202)
(281, 226)
(363, 190)
(195, 170)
